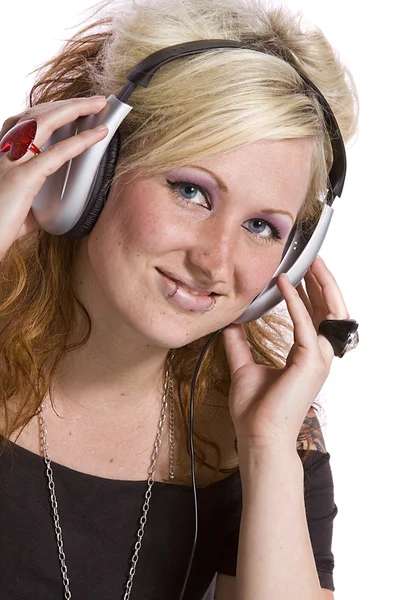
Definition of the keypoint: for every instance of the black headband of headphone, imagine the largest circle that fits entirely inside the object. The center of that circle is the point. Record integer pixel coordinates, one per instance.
(143, 72)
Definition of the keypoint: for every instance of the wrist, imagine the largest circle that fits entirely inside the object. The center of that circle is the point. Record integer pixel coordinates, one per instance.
(265, 472)
(250, 448)
(256, 459)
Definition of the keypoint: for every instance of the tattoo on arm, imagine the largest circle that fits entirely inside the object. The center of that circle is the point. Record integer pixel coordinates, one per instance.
(310, 436)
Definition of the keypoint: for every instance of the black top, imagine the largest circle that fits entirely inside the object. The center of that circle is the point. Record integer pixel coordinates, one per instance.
(100, 517)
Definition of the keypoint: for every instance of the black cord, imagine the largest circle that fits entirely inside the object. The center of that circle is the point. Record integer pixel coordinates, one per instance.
(192, 461)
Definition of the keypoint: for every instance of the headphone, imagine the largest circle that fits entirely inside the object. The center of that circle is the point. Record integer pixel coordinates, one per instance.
(72, 199)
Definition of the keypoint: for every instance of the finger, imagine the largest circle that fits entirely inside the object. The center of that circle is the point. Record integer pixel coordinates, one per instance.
(9, 124)
(37, 169)
(29, 177)
(53, 115)
(237, 348)
(304, 331)
(315, 296)
(330, 291)
(304, 297)
(30, 225)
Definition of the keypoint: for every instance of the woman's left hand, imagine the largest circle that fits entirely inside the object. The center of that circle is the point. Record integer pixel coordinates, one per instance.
(268, 405)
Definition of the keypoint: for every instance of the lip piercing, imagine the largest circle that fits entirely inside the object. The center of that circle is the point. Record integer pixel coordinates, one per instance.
(214, 302)
(173, 294)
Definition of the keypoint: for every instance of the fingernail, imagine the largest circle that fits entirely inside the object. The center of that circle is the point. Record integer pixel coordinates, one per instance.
(96, 98)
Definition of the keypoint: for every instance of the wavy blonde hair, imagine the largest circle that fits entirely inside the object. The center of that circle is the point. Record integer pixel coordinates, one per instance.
(195, 107)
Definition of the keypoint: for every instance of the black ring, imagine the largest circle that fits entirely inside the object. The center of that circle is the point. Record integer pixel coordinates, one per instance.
(342, 334)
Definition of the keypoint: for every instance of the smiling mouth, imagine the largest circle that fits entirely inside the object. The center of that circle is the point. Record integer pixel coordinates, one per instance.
(192, 290)
(184, 296)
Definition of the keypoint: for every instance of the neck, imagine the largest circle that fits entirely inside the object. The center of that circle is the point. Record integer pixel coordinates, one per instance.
(118, 369)
(111, 373)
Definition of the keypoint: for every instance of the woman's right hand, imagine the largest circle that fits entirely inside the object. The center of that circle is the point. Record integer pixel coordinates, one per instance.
(21, 180)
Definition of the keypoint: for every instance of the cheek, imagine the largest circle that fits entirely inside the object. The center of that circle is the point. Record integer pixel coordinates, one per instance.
(140, 222)
(257, 271)
(142, 229)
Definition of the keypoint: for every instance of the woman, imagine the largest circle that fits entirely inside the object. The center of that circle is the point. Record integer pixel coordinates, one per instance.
(223, 152)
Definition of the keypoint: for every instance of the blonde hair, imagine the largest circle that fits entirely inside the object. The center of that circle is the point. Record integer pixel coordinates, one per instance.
(194, 107)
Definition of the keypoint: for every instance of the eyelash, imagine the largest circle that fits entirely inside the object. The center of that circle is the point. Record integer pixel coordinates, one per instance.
(175, 185)
(275, 233)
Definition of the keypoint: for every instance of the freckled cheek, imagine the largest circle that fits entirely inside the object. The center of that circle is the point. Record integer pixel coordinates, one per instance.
(149, 231)
(256, 273)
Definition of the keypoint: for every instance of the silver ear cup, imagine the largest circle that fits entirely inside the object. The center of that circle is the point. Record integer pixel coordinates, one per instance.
(297, 260)
(65, 194)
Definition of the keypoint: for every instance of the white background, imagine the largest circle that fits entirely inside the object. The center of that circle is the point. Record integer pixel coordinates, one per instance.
(361, 397)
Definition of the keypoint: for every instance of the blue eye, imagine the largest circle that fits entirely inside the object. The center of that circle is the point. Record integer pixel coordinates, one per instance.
(190, 192)
(262, 228)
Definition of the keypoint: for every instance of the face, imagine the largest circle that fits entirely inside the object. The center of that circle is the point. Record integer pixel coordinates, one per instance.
(165, 245)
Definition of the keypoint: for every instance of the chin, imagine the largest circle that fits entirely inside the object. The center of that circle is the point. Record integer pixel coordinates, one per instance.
(169, 332)
(168, 328)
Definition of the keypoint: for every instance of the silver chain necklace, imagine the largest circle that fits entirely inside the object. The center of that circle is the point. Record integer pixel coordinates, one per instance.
(44, 447)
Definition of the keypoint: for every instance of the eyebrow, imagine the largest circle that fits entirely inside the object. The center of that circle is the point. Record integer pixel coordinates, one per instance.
(222, 186)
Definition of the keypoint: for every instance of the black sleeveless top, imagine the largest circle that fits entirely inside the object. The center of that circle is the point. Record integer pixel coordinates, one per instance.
(100, 518)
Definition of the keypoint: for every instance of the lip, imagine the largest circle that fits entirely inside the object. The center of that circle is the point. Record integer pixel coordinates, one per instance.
(187, 297)
(194, 289)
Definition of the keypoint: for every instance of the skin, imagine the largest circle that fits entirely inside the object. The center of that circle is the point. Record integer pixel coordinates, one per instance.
(104, 389)
(147, 226)
(21, 180)
(144, 228)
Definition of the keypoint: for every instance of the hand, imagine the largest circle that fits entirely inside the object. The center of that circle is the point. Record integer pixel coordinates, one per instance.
(21, 180)
(268, 405)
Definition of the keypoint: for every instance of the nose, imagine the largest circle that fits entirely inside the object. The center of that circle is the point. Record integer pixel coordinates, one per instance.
(212, 250)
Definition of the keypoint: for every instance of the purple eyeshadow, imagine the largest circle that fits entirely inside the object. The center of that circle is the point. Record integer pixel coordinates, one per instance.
(192, 176)
(283, 223)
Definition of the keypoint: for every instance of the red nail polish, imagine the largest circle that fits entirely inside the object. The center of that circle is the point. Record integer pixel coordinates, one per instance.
(19, 140)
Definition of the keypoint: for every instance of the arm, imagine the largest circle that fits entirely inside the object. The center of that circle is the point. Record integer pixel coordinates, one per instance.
(268, 406)
(318, 491)
(275, 557)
